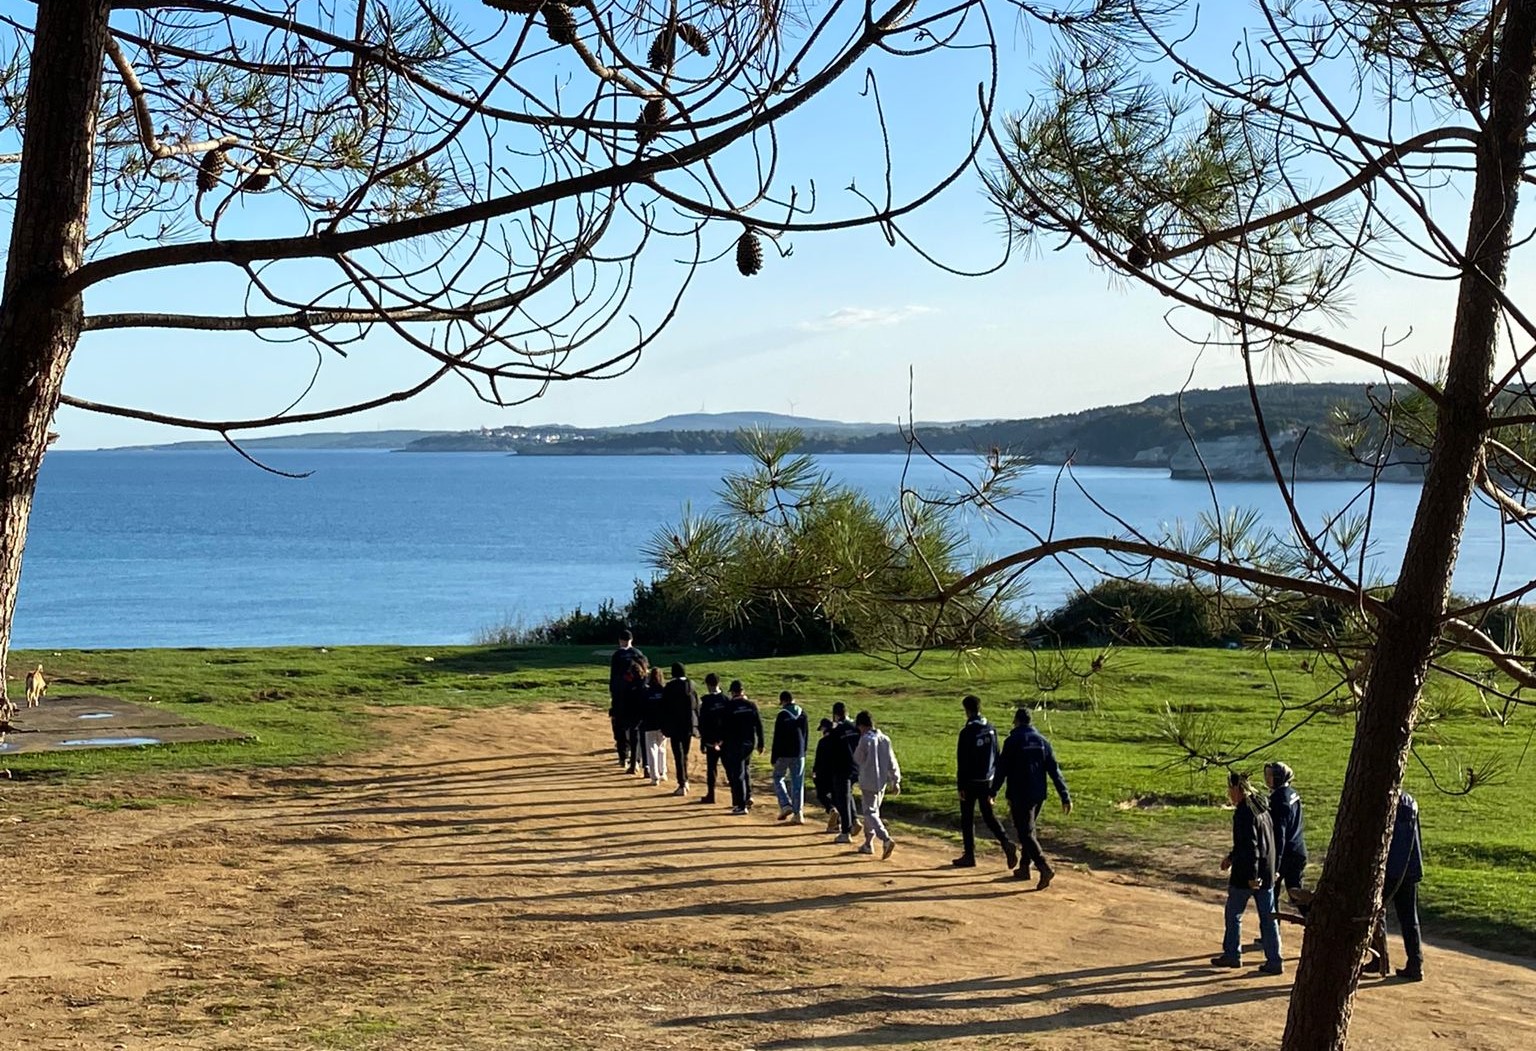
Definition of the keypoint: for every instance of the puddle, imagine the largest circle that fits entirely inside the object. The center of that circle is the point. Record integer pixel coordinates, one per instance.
(97, 715)
(106, 742)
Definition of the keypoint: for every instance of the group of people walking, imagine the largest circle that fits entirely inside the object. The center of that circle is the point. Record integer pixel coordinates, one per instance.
(1269, 851)
(654, 720)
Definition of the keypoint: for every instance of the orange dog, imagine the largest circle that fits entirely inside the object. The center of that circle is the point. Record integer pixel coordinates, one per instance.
(36, 686)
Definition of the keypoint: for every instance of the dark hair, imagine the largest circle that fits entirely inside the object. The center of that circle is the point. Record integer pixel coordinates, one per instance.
(736, 686)
(1237, 780)
(678, 671)
(824, 726)
(840, 709)
(864, 719)
(1021, 717)
(785, 697)
(972, 703)
(711, 680)
(625, 636)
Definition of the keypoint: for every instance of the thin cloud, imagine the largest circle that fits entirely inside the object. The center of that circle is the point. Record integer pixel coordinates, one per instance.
(863, 317)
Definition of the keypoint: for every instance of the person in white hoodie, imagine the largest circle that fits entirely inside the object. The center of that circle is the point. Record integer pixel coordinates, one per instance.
(878, 772)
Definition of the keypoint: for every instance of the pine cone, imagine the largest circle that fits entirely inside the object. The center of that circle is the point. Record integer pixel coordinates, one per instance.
(648, 127)
(663, 50)
(261, 178)
(212, 166)
(560, 23)
(694, 37)
(749, 253)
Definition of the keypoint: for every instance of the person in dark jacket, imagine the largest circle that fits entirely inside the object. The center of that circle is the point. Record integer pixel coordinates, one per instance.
(1290, 842)
(711, 732)
(680, 722)
(791, 730)
(1405, 868)
(623, 678)
(1026, 762)
(821, 765)
(842, 773)
(844, 730)
(975, 767)
(1251, 869)
(653, 723)
(742, 731)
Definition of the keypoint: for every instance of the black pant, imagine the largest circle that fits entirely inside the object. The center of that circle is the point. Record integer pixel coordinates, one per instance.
(1026, 816)
(1406, 902)
(974, 794)
(711, 770)
(738, 773)
(620, 737)
(842, 802)
(637, 750)
(680, 758)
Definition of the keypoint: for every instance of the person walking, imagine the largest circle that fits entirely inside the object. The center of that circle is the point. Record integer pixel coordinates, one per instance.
(821, 765)
(1251, 869)
(623, 678)
(1026, 762)
(879, 772)
(975, 768)
(680, 718)
(1290, 841)
(844, 730)
(653, 723)
(742, 732)
(791, 730)
(711, 732)
(1405, 869)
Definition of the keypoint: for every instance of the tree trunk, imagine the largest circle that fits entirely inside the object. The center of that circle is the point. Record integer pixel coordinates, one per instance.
(1350, 889)
(38, 326)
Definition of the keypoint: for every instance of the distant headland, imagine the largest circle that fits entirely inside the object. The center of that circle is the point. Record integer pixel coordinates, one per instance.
(1153, 433)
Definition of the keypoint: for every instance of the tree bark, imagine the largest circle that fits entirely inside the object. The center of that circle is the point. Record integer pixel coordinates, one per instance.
(39, 324)
(1350, 889)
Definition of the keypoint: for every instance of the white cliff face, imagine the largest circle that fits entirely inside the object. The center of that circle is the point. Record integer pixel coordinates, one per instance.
(1242, 457)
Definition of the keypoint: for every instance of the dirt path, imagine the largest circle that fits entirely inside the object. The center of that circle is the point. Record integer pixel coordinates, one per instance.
(502, 885)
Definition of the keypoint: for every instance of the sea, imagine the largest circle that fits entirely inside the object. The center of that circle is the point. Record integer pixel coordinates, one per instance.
(199, 548)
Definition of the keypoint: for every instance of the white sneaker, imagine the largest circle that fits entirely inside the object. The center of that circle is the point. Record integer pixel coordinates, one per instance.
(655, 780)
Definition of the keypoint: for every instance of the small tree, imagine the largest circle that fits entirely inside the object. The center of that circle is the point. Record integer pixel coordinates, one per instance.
(476, 183)
(795, 560)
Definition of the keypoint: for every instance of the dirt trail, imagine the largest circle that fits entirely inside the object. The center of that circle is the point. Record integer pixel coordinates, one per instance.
(501, 884)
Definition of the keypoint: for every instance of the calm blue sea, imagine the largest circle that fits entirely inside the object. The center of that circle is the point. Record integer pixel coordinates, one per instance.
(201, 549)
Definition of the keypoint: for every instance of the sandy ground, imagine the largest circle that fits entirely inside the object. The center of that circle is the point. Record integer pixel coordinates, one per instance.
(501, 884)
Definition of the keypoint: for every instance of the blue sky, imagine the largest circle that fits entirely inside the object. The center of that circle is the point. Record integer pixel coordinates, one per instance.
(832, 331)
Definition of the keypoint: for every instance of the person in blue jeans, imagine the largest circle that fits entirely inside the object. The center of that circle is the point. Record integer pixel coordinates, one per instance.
(790, 732)
(1251, 868)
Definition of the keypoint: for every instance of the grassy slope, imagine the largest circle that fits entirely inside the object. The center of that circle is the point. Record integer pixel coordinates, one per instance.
(305, 704)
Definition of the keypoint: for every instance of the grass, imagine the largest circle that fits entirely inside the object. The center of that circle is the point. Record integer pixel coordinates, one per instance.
(1134, 806)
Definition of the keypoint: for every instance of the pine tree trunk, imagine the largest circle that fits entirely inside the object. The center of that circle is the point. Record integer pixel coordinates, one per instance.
(1350, 890)
(39, 326)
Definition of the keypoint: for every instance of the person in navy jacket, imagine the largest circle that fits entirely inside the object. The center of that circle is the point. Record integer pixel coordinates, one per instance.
(975, 767)
(1405, 868)
(1290, 842)
(1026, 762)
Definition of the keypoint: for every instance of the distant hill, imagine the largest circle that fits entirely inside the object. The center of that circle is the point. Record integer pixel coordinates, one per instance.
(311, 441)
(737, 421)
(1154, 432)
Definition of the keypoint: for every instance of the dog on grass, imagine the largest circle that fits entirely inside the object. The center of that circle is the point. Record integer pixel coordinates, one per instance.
(36, 687)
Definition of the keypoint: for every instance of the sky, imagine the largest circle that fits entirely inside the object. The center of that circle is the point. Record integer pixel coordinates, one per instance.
(845, 327)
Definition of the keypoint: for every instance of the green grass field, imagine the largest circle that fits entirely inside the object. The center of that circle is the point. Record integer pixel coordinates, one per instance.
(1135, 807)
